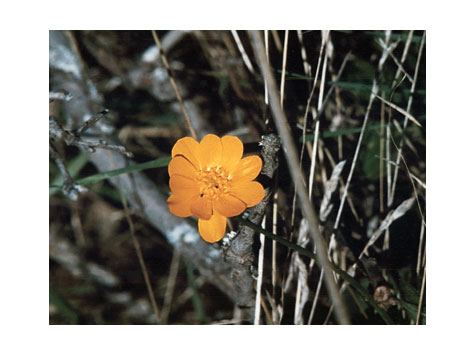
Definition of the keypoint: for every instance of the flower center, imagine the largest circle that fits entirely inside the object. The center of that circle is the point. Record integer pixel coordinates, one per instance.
(214, 181)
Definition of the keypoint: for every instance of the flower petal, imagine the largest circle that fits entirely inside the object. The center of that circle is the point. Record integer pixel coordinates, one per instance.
(187, 147)
(247, 169)
(184, 184)
(202, 207)
(179, 165)
(179, 204)
(210, 152)
(229, 206)
(232, 152)
(251, 192)
(184, 191)
(212, 230)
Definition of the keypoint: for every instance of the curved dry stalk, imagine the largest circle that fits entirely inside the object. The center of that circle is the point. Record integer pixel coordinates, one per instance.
(325, 35)
(419, 307)
(244, 55)
(175, 87)
(419, 250)
(172, 276)
(304, 130)
(406, 118)
(292, 160)
(374, 91)
(138, 251)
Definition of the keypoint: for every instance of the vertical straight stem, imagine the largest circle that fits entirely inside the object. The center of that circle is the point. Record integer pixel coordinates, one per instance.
(260, 271)
(293, 162)
(284, 66)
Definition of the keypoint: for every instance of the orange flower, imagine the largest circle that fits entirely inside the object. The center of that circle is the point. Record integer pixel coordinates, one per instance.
(210, 181)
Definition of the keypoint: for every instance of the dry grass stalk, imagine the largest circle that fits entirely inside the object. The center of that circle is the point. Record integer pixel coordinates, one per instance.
(403, 57)
(260, 272)
(175, 87)
(306, 66)
(276, 315)
(304, 130)
(330, 187)
(292, 160)
(408, 109)
(421, 295)
(381, 162)
(400, 110)
(325, 209)
(419, 249)
(171, 281)
(374, 91)
(244, 55)
(284, 67)
(138, 251)
(390, 218)
(298, 267)
(325, 35)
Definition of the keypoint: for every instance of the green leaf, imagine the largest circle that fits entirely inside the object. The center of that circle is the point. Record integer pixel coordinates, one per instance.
(157, 163)
(412, 311)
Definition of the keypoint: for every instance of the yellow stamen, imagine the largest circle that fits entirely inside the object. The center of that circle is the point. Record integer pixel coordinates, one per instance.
(214, 181)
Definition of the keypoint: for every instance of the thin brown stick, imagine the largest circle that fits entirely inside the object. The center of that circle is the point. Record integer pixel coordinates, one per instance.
(296, 173)
(175, 87)
(419, 251)
(167, 300)
(419, 307)
(138, 251)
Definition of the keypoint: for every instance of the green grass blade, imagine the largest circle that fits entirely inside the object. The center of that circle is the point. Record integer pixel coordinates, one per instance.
(157, 163)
